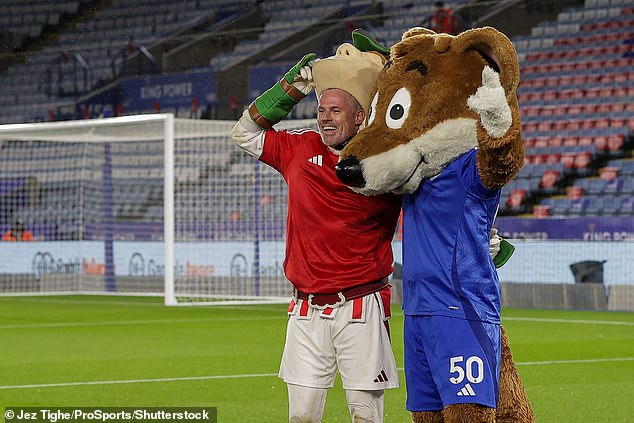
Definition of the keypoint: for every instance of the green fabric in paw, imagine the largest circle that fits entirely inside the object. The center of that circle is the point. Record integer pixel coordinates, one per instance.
(362, 40)
(506, 251)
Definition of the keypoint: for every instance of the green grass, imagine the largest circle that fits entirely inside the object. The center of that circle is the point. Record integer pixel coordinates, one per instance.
(110, 351)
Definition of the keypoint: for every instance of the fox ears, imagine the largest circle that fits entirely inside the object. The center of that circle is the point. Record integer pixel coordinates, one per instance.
(491, 44)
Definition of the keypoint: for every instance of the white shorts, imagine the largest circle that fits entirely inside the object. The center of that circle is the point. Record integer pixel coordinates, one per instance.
(352, 338)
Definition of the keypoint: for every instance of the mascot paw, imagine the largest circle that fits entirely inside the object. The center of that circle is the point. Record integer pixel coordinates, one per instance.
(490, 103)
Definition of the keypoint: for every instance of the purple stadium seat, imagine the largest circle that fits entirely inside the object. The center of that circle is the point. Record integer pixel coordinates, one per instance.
(596, 186)
(578, 207)
(627, 186)
(612, 186)
(561, 207)
(626, 206)
(611, 205)
(627, 167)
(594, 206)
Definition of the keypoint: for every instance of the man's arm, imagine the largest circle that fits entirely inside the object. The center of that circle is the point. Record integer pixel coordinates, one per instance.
(272, 106)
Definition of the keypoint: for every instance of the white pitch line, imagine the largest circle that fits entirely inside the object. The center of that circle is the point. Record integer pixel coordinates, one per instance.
(580, 321)
(138, 322)
(121, 382)
(43, 300)
(259, 375)
(278, 317)
(591, 360)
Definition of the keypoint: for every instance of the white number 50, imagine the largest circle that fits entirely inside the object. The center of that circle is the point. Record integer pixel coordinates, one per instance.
(473, 369)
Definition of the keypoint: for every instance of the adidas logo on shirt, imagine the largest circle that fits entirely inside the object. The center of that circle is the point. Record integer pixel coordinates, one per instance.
(466, 391)
(318, 160)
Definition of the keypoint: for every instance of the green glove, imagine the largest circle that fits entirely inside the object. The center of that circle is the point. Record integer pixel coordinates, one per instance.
(362, 40)
(505, 253)
(275, 103)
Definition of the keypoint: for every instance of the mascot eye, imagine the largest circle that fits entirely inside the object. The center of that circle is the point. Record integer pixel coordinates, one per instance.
(398, 109)
(372, 111)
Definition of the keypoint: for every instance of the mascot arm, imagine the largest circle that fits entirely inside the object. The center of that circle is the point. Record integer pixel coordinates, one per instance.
(500, 155)
(275, 103)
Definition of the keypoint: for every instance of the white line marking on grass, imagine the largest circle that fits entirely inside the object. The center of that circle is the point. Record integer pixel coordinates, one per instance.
(42, 299)
(259, 375)
(585, 322)
(591, 360)
(84, 302)
(139, 322)
(121, 382)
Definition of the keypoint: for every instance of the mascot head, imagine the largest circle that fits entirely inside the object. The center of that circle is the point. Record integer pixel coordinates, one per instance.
(430, 105)
(350, 70)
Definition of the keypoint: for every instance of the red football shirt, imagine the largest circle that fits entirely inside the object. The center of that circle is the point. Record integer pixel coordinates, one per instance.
(335, 238)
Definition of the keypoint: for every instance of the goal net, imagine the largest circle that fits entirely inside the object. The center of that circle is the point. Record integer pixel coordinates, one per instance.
(140, 205)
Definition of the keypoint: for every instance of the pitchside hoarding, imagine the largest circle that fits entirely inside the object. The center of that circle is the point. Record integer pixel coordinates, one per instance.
(604, 228)
(534, 261)
(140, 258)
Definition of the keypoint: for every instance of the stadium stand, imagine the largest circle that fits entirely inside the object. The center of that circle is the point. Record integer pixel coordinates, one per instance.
(576, 94)
(576, 100)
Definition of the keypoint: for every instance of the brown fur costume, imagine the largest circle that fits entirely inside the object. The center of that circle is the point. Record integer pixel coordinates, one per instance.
(459, 94)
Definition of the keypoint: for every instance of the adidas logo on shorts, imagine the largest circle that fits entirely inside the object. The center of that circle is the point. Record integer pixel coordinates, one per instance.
(466, 391)
(382, 377)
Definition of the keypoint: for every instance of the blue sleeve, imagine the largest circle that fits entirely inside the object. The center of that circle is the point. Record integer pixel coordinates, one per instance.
(470, 177)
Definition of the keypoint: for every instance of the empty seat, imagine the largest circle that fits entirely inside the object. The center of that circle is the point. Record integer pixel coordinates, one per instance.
(626, 205)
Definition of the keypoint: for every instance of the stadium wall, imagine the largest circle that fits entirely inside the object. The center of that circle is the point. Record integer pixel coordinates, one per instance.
(539, 275)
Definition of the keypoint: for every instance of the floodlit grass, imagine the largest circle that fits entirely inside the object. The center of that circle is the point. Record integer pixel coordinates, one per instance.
(133, 351)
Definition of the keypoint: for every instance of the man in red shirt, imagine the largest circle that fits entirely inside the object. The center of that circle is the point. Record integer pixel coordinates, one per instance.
(18, 233)
(338, 244)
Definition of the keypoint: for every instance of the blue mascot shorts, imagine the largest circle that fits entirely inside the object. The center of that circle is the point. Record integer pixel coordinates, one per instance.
(450, 361)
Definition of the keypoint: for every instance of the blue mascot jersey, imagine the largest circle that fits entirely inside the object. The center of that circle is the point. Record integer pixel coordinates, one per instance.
(447, 270)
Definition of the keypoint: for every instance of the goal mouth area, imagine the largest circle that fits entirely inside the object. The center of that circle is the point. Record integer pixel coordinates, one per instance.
(146, 204)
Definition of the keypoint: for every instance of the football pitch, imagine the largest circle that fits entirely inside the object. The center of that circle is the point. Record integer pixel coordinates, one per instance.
(103, 351)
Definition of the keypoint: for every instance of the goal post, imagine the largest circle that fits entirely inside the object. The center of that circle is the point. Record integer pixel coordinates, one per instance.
(146, 204)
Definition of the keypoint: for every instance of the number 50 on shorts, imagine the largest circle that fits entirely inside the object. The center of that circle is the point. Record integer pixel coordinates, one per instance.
(472, 369)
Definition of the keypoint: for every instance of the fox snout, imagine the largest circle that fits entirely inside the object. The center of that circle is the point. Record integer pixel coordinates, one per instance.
(350, 173)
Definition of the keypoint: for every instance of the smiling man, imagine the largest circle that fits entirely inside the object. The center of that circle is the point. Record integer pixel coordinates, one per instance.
(339, 117)
(338, 243)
